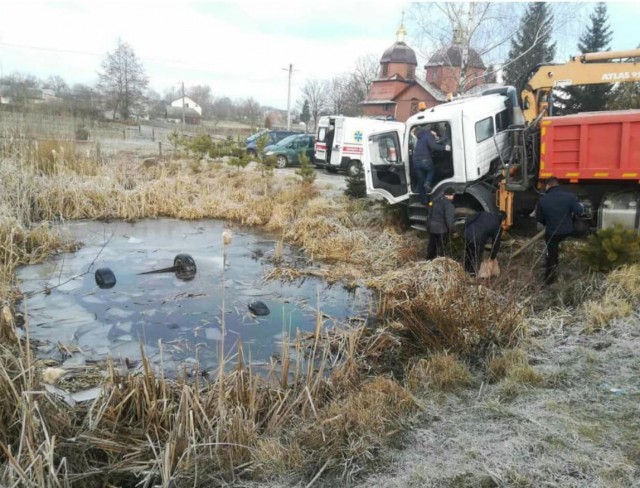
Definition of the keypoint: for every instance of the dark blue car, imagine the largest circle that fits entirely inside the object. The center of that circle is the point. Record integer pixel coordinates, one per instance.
(273, 137)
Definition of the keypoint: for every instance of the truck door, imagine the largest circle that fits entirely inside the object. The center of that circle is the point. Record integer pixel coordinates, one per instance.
(338, 141)
(385, 171)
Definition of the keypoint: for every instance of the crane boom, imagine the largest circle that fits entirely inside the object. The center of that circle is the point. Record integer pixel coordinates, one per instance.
(585, 69)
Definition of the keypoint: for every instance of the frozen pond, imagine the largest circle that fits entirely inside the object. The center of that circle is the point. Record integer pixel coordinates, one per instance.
(180, 321)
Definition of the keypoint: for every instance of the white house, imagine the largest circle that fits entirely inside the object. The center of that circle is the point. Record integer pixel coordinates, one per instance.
(188, 103)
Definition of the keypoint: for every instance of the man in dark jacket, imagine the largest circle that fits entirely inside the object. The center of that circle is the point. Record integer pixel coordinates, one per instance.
(482, 228)
(441, 223)
(423, 162)
(555, 211)
(328, 138)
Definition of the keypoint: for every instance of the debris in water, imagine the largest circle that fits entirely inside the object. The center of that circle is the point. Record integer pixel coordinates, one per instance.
(105, 278)
(213, 334)
(259, 308)
(52, 375)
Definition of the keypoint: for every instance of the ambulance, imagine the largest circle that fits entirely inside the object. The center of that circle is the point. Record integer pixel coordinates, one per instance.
(350, 134)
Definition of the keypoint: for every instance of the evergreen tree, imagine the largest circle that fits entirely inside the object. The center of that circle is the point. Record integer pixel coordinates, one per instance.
(625, 96)
(596, 38)
(305, 116)
(531, 46)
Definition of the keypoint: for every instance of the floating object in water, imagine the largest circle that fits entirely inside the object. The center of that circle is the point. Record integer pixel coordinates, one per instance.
(259, 308)
(183, 266)
(227, 237)
(105, 278)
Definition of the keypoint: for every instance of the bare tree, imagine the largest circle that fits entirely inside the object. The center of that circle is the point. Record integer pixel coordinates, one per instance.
(123, 81)
(359, 83)
(223, 109)
(338, 96)
(251, 111)
(57, 84)
(485, 28)
(19, 87)
(316, 92)
(201, 94)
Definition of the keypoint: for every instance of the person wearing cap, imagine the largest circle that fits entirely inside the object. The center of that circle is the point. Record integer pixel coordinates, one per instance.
(441, 223)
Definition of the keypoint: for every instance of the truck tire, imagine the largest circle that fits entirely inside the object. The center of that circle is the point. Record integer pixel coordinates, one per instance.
(354, 168)
(105, 278)
(185, 267)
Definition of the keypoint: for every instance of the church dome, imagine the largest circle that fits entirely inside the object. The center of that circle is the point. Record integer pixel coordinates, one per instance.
(399, 52)
(452, 56)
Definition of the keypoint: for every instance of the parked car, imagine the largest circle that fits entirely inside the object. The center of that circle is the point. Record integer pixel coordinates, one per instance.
(273, 137)
(284, 141)
(288, 152)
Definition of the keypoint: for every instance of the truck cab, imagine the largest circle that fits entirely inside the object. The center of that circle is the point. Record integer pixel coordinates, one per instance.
(475, 129)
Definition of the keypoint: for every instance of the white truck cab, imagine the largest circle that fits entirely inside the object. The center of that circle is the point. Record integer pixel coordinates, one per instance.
(476, 130)
(350, 135)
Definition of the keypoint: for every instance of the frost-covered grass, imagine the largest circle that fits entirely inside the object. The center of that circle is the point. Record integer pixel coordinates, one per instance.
(442, 351)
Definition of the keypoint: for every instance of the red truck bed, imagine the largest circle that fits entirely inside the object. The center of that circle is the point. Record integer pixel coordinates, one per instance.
(593, 145)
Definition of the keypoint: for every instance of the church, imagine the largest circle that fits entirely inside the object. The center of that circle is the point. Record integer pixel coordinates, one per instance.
(397, 91)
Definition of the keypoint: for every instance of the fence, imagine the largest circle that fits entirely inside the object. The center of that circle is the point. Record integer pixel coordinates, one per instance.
(150, 137)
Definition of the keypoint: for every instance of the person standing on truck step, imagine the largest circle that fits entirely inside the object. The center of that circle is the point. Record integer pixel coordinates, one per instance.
(329, 142)
(441, 223)
(423, 161)
(484, 227)
(556, 210)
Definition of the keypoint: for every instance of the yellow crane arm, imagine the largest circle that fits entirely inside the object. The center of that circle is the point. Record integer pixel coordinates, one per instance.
(586, 69)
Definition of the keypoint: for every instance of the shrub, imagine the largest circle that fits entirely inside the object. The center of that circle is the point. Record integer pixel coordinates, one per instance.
(82, 134)
(356, 187)
(443, 309)
(306, 171)
(441, 372)
(609, 248)
(239, 163)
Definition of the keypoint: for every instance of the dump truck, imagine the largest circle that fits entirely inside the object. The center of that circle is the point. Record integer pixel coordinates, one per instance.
(503, 147)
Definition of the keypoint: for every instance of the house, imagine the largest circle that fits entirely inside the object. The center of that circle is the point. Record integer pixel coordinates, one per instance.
(188, 103)
(191, 115)
(397, 92)
(5, 99)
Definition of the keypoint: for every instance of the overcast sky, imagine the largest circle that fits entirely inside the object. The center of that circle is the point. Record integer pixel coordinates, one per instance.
(238, 48)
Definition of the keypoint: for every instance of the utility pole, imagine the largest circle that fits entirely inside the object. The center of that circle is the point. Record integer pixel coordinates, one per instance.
(183, 106)
(289, 98)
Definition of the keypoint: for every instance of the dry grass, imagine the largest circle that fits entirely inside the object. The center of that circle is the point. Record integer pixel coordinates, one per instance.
(328, 415)
(619, 294)
(443, 309)
(441, 372)
(514, 366)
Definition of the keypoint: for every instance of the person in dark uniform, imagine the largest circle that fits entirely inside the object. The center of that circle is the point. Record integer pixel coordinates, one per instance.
(423, 162)
(329, 142)
(556, 210)
(441, 224)
(484, 227)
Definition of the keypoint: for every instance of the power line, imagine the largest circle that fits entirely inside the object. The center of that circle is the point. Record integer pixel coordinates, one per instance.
(83, 53)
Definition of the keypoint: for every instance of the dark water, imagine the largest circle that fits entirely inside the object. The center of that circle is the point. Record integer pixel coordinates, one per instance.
(183, 319)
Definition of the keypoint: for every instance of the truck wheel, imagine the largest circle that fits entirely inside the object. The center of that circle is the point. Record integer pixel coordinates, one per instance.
(281, 162)
(185, 267)
(105, 278)
(354, 168)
